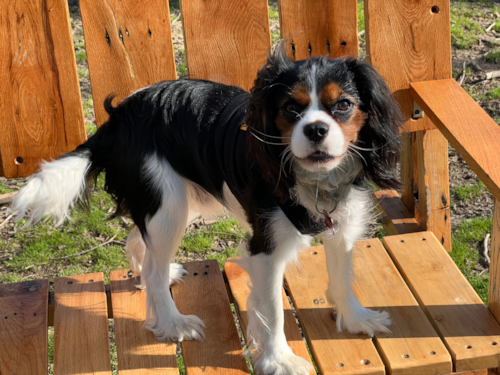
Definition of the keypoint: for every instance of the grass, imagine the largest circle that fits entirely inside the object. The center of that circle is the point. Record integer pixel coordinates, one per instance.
(465, 31)
(469, 191)
(494, 93)
(4, 189)
(467, 241)
(493, 56)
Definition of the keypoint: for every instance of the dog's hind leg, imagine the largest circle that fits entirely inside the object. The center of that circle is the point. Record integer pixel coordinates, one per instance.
(136, 248)
(164, 234)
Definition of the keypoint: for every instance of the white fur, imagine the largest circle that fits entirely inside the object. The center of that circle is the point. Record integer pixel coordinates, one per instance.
(136, 248)
(165, 230)
(353, 215)
(334, 142)
(265, 332)
(53, 191)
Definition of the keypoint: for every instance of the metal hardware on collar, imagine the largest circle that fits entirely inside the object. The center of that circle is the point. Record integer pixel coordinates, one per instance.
(324, 211)
(417, 111)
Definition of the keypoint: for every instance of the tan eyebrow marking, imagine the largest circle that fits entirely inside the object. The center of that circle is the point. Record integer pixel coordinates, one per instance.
(301, 95)
(330, 93)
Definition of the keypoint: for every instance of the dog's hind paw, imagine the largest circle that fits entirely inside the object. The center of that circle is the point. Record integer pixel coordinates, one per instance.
(177, 272)
(180, 328)
(364, 320)
(282, 363)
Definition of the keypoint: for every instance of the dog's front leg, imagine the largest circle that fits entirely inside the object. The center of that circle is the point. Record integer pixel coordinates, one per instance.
(265, 332)
(351, 315)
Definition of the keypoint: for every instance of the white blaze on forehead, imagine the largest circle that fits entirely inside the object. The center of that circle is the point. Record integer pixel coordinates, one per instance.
(314, 92)
(333, 143)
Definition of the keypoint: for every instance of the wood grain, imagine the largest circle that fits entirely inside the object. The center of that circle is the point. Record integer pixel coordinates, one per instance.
(407, 42)
(129, 46)
(412, 347)
(319, 27)
(434, 185)
(203, 293)
(465, 125)
(41, 115)
(494, 291)
(333, 352)
(226, 40)
(398, 219)
(239, 282)
(23, 327)
(468, 329)
(139, 352)
(81, 325)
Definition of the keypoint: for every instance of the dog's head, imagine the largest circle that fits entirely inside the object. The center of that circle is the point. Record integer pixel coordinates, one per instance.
(314, 113)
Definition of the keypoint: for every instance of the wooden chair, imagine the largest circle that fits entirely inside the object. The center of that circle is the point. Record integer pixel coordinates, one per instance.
(440, 325)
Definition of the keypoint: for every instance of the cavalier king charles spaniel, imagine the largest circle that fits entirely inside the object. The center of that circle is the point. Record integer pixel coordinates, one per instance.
(290, 160)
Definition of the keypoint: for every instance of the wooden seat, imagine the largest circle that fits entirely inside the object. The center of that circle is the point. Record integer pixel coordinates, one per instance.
(439, 323)
(437, 326)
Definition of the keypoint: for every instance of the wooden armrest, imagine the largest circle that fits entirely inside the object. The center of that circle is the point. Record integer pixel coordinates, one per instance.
(468, 128)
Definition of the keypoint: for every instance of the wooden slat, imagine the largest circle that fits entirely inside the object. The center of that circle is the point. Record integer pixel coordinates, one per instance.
(465, 124)
(138, 350)
(333, 352)
(203, 293)
(238, 281)
(434, 185)
(129, 46)
(412, 346)
(226, 40)
(319, 27)
(469, 330)
(398, 220)
(23, 327)
(407, 42)
(81, 325)
(494, 291)
(41, 113)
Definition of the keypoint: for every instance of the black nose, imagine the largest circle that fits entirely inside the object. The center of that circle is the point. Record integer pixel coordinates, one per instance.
(316, 131)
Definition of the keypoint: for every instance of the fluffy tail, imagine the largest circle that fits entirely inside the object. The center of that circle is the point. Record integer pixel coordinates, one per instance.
(55, 189)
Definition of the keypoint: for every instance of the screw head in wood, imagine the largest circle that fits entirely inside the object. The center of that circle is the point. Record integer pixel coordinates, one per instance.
(32, 289)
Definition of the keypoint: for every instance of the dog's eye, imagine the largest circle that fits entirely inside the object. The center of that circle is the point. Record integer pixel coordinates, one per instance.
(344, 105)
(291, 108)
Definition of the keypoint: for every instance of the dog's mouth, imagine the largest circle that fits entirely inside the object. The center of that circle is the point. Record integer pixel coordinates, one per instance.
(319, 157)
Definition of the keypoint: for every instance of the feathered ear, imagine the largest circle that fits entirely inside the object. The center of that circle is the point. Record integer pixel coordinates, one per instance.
(263, 142)
(379, 139)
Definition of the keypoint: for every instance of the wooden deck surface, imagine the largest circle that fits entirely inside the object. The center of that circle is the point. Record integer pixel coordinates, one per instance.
(439, 324)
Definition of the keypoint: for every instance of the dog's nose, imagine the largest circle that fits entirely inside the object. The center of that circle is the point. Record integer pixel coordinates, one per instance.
(316, 131)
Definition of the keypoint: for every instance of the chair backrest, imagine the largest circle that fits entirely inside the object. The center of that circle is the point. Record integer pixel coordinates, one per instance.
(129, 46)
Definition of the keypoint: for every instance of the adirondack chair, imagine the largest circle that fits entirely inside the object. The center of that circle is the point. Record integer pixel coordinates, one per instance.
(439, 325)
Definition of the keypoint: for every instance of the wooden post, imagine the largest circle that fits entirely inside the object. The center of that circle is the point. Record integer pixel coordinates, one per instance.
(433, 185)
(409, 41)
(494, 293)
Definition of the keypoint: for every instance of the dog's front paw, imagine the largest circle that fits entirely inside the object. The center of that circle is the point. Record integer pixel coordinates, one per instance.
(180, 328)
(177, 272)
(363, 320)
(281, 363)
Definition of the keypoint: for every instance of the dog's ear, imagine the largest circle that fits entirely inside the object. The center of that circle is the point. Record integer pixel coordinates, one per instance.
(380, 138)
(263, 140)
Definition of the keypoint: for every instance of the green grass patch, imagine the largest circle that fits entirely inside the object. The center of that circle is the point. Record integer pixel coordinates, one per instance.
(465, 31)
(81, 56)
(182, 67)
(493, 56)
(467, 241)
(82, 73)
(36, 248)
(361, 15)
(4, 189)
(494, 93)
(470, 191)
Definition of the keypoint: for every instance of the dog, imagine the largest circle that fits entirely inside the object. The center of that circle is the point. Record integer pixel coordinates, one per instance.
(290, 160)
